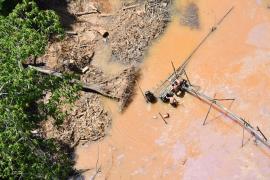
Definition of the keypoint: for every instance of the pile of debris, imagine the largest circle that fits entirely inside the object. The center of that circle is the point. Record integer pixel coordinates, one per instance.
(130, 30)
(119, 87)
(88, 121)
(135, 27)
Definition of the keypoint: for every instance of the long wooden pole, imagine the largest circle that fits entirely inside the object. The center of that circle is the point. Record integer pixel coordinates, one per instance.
(231, 115)
(187, 60)
(141, 90)
(163, 118)
(243, 136)
(174, 70)
(208, 112)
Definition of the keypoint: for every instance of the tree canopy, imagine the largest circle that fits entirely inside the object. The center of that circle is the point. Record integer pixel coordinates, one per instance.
(23, 154)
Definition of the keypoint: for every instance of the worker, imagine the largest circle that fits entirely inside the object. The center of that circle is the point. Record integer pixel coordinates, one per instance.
(176, 86)
(150, 97)
(166, 98)
(183, 85)
(173, 101)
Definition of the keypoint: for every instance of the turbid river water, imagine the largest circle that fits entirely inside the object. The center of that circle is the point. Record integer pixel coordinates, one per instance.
(233, 63)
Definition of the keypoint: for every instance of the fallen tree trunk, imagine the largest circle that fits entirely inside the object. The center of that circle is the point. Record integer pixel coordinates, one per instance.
(85, 87)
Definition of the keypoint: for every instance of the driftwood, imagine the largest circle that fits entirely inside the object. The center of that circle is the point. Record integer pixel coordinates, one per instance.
(129, 7)
(85, 87)
(71, 33)
(105, 15)
(86, 13)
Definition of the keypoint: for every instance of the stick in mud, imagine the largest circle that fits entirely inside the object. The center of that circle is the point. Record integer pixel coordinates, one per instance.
(163, 118)
(141, 90)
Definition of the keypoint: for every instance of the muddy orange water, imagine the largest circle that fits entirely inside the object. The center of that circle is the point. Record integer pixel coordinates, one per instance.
(234, 63)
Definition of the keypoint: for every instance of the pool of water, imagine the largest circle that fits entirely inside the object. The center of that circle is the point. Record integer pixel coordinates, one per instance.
(233, 63)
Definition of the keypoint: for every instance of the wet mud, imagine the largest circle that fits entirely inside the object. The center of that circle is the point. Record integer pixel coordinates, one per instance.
(233, 63)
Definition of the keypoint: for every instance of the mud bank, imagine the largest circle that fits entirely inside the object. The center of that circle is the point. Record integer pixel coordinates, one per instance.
(234, 63)
(104, 46)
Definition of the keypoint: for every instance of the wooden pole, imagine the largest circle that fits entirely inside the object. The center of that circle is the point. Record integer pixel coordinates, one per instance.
(228, 99)
(187, 76)
(163, 118)
(258, 129)
(141, 90)
(233, 116)
(187, 60)
(243, 136)
(208, 112)
(174, 70)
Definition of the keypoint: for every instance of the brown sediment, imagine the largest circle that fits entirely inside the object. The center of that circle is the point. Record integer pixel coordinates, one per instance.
(234, 63)
(190, 16)
(97, 60)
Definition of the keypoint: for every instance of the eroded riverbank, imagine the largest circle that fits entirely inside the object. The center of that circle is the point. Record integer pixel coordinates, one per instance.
(104, 44)
(233, 63)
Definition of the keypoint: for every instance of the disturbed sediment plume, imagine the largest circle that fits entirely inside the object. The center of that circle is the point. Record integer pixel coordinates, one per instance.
(190, 16)
(127, 32)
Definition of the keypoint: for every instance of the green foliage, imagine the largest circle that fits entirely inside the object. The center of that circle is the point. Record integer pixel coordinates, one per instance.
(24, 33)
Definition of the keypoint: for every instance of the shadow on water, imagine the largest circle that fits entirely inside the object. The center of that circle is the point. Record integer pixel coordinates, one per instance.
(61, 9)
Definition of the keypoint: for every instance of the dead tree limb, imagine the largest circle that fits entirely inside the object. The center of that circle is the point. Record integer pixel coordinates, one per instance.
(129, 7)
(72, 33)
(86, 13)
(85, 87)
